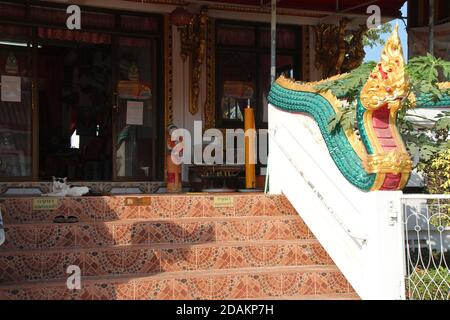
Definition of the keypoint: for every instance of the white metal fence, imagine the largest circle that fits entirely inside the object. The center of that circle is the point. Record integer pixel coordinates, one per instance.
(426, 220)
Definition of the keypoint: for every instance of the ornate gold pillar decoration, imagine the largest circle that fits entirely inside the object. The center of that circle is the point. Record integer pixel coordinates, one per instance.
(306, 56)
(168, 73)
(210, 103)
(168, 79)
(339, 50)
(193, 46)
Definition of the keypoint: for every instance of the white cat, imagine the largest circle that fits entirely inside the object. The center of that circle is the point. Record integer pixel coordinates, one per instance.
(62, 189)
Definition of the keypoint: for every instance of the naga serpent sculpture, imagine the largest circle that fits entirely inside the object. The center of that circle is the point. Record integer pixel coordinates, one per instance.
(377, 158)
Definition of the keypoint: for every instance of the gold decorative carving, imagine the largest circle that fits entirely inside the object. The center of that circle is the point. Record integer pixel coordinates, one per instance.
(291, 84)
(306, 60)
(168, 72)
(168, 79)
(193, 46)
(393, 162)
(388, 83)
(11, 65)
(444, 85)
(338, 50)
(387, 86)
(210, 104)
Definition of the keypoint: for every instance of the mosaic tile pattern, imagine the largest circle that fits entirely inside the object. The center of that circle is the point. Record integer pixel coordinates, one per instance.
(179, 259)
(265, 285)
(280, 255)
(51, 236)
(22, 267)
(249, 205)
(210, 211)
(249, 256)
(192, 288)
(139, 232)
(331, 282)
(229, 287)
(91, 235)
(253, 285)
(183, 206)
(208, 252)
(19, 210)
(298, 284)
(20, 237)
(141, 260)
(210, 258)
(153, 289)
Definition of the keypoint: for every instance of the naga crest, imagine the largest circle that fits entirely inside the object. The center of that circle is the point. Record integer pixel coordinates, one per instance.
(388, 82)
(380, 99)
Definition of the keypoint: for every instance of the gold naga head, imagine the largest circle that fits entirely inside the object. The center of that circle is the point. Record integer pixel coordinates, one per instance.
(388, 82)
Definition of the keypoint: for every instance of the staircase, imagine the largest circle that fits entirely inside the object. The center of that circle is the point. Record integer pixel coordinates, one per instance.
(166, 247)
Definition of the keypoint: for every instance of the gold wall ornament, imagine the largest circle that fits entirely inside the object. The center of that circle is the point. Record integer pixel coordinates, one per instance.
(168, 80)
(193, 46)
(305, 65)
(388, 82)
(338, 50)
(168, 72)
(133, 72)
(387, 87)
(392, 162)
(11, 65)
(210, 103)
(444, 85)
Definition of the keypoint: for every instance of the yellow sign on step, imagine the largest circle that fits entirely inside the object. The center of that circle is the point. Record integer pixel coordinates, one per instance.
(137, 201)
(223, 201)
(47, 204)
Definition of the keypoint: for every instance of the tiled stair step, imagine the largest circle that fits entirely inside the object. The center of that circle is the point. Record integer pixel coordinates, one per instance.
(184, 230)
(297, 282)
(37, 265)
(20, 210)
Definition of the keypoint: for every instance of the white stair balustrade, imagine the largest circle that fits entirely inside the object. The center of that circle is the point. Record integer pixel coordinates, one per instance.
(361, 231)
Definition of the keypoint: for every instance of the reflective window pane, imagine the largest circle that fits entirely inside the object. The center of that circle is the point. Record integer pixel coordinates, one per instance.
(15, 102)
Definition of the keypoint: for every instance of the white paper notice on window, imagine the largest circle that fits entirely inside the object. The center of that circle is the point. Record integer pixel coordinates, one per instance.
(135, 113)
(11, 90)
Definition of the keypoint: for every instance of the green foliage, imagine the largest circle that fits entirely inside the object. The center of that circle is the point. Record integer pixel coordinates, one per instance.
(350, 85)
(344, 118)
(427, 68)
(431, 284)
(347, 87)
(425, 72)
(373, 37)
(438, 173)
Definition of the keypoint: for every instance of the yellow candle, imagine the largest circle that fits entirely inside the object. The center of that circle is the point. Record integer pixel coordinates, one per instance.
(249, 123)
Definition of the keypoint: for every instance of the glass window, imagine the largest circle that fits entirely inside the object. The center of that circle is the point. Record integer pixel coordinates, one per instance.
(285, 66)
(134, 113)
(237, 36)
(243, 68)
(15, 102)
(237, 83)
(94, 109)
